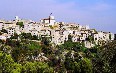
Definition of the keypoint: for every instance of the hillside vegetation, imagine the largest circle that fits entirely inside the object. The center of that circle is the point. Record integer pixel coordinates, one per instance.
(26, 56)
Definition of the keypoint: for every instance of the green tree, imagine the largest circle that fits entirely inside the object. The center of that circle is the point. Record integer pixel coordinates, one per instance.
(29, 67)
(105, 61)
(43, 67)
(5, 48)
(86, 65)
(17, 68)
(20, 24)
(25, 36)
(77, 68)
(46, 41)
(4, 30)
(69, 38)
(110, 36)
(6, 63)
(36, 67)
(15, 36)
(34, 37)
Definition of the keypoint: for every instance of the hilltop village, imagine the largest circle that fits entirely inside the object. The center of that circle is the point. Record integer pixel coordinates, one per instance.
(58, 32)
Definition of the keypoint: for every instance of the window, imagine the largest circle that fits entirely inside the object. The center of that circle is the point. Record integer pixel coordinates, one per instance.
(95, 38)
(73, 32)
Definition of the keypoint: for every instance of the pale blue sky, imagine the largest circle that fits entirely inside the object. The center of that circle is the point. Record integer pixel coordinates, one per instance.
(99, 14)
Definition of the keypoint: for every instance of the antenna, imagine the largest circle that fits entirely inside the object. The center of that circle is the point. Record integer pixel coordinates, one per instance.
(50, 14)
(50, 17)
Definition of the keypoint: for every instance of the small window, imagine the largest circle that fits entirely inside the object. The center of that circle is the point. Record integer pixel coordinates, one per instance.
(95, 38)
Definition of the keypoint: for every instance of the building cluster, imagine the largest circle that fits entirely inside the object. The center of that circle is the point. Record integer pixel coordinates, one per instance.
(57, 31)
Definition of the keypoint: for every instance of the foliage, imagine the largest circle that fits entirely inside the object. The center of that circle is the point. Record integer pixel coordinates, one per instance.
(110, 36)
(33, 45)
(76, 46)
(69, 38)
(4, 31)
(25, 56)
(114, 36)
(34, 37)
(36, 67)
(86, 66)
(17, 68)
(15, 36)
(25, 36)
(6, 63)
(28, 36)
(45, 41)
(105, 61)
(90, 38)
(20, 24)
(51, 26)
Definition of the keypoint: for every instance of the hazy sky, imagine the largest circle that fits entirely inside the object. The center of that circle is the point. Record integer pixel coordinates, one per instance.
(99, 14)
